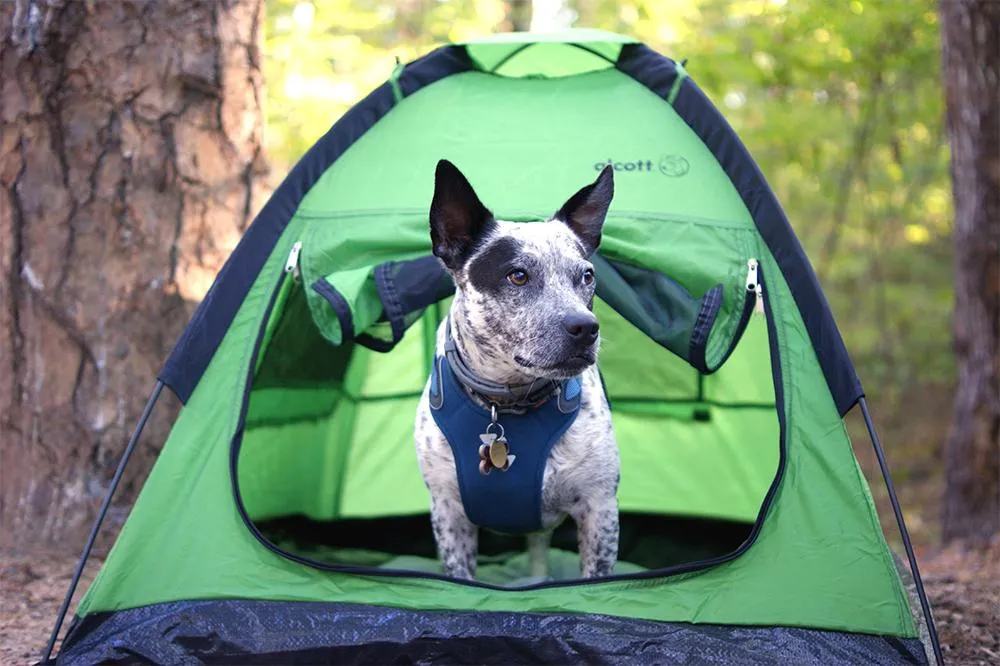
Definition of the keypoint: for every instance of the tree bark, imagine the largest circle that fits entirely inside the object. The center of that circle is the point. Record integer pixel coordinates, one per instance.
(130, 138)
(517, 16)
(971, 63)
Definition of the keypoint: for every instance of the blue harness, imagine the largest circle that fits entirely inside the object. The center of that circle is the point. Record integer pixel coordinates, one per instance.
(503, 501)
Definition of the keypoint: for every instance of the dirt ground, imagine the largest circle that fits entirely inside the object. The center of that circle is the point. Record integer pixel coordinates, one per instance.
(964, 591)
(964, 588)
(32, 587)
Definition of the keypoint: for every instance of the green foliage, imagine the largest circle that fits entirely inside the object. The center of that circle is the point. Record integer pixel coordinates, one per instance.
(840, 102)
(322, 56)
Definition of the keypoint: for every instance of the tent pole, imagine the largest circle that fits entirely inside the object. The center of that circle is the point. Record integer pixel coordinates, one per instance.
(925, 606)
(100, 518)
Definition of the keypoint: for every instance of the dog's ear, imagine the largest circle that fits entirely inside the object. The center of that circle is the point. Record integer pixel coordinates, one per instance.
(458, 217)
(584, 212)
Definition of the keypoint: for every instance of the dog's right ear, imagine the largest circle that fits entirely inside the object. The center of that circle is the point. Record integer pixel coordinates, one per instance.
(458, 217)
(585, 211)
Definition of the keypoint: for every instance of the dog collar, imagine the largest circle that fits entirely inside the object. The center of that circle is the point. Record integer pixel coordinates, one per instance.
(505, 397)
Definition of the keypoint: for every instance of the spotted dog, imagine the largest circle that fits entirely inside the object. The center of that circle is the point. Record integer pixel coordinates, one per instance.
(513, 430)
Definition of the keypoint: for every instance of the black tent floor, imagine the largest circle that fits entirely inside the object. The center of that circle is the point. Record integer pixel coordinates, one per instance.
(274, 632)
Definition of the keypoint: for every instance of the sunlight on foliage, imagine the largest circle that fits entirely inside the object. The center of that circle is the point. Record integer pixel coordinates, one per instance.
(323, 56)
(917, 234)
(839, 102)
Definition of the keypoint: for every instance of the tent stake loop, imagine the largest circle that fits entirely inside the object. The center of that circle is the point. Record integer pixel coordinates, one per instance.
(46, 658)
(924, 605)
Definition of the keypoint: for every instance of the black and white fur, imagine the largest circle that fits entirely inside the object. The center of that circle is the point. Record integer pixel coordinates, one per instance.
(511, 330)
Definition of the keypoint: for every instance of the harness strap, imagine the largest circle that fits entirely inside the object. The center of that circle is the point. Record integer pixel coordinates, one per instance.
(503, 501)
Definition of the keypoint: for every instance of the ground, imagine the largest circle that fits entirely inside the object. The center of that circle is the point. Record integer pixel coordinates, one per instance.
(32, 587)
(964, 588)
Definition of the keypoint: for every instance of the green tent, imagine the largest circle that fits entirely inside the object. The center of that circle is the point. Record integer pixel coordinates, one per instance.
(286, 519)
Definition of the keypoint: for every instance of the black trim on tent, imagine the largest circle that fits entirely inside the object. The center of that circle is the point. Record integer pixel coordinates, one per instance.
(286, 632)
(196, 346)
(339, 306)
(659, 73)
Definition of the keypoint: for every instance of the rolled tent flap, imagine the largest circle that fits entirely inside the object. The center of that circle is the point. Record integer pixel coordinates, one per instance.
(667, 312)
(375, 305)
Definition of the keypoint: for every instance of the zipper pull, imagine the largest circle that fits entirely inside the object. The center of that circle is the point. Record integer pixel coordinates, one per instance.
(292, 264)
(753, 285)
(751, 275)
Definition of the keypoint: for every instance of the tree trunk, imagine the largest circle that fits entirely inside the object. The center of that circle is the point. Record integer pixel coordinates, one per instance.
(130, 136)
(971, 62)
(517, 16)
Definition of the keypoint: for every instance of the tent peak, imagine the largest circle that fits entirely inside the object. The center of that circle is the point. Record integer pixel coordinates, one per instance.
(546, 54)
(568, 36)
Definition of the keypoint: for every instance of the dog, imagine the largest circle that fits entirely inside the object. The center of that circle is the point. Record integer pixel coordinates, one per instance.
(513, 429)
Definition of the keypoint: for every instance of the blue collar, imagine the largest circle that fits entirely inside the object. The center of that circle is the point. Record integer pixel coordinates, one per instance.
(503, 501)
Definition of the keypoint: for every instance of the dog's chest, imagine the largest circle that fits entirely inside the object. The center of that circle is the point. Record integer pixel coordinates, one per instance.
(581, 464)
(584, 463)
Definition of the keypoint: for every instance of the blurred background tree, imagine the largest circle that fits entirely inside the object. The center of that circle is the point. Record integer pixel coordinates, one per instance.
(131, 141)
(841, 104)
(971, 54)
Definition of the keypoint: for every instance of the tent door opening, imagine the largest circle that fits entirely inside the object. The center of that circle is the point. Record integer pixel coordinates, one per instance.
(325, 470)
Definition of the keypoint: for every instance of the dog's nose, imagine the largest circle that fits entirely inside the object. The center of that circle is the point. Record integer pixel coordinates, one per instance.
(581, 328)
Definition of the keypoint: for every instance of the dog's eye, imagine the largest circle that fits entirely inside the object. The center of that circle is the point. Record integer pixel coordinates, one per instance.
(517, 277)
(588, 276)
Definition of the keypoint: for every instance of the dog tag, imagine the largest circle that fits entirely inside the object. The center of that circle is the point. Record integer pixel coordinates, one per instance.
(485, 465)
(498, 453)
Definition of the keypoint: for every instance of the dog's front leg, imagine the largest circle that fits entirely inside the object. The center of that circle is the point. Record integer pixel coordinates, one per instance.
(597, 533)
(538, 547)
(456, 536)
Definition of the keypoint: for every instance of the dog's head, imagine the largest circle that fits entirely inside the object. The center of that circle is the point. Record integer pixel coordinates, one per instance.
(524, 291)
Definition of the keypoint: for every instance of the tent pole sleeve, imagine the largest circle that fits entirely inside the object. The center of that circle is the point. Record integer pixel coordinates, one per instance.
(100, 518)
(925, 606)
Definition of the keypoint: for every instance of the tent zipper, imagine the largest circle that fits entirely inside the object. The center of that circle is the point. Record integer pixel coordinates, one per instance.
(292, 263)
(753, 285)
(752, 303)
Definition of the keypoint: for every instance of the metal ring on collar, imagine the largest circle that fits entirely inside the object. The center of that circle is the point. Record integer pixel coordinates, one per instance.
(501, 435)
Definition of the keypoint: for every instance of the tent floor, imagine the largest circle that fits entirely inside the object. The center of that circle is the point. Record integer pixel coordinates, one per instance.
(646, 542)
(245, 631)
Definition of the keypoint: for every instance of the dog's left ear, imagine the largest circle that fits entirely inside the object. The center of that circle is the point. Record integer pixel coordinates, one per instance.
(584, 212)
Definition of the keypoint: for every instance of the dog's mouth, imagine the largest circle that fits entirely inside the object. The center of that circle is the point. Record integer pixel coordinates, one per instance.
(569, 366)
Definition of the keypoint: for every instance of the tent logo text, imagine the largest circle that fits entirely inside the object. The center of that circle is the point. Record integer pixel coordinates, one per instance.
(673, 166)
